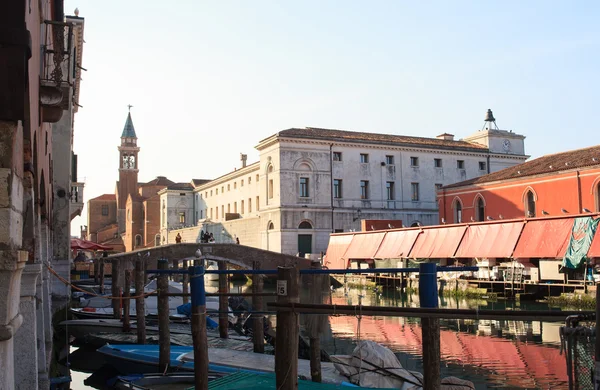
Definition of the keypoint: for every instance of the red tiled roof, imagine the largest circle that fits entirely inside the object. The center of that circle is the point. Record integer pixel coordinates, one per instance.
(159, 181)
(355, 136)
(551, 163)
(105, 197)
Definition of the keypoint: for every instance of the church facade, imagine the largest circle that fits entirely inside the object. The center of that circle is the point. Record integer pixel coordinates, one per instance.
(129, 218)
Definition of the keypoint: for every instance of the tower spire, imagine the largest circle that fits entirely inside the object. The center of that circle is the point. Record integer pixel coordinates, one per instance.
(128, 129)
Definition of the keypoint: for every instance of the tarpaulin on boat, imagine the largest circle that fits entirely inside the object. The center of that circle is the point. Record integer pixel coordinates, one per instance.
(364, 245)
(544, 239)
(580, 241)
(490, 240)
(397, 244)
(338, 244)
(437, 243)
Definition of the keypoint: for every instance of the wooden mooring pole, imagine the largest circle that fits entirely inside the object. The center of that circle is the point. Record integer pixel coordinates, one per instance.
(315, 324)
(164, 335)
(196, 274)
(286, 341)
(101, 276)
(258, 334)
(223, 302)
(430, 327)
(116, 292)
(140, 303)
(127, 302)
(185, 280)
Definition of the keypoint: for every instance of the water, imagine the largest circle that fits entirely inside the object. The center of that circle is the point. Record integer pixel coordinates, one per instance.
(491, 354)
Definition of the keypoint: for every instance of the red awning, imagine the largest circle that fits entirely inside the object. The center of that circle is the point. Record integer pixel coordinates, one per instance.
(78, 243)
(397, 244)
(438, 242)
(364, 245)
(544, 239)
(490, 240)
(335, 250)
(595, 248)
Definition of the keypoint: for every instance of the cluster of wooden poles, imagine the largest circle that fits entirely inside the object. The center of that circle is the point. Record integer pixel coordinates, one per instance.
(288, 309)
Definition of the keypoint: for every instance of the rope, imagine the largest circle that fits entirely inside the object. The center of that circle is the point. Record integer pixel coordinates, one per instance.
(66, 282)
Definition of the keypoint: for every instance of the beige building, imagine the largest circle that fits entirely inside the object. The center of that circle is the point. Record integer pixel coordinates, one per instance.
(311, 182)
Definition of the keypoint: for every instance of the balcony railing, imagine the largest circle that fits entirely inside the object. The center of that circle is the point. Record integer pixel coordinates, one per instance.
(57, 52)
(76, 196)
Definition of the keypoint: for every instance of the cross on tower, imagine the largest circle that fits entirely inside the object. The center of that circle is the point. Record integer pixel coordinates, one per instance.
(129, 107)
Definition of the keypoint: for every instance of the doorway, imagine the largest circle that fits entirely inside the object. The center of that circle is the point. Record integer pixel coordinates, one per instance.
(304, 244)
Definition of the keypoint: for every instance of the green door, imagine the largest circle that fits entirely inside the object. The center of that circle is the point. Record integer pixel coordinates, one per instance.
(304, 244)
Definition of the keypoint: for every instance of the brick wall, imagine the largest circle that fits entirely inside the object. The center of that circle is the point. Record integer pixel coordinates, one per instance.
(96, 220)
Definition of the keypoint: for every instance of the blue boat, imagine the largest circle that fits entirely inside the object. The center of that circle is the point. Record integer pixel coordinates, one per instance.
(142, 359)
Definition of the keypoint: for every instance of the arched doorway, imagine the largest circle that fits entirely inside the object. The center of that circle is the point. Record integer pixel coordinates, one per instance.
(530, 204)
(304, 239)
(480, 209)
(457, 206)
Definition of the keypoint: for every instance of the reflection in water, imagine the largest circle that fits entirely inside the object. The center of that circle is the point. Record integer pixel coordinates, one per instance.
(492, 354)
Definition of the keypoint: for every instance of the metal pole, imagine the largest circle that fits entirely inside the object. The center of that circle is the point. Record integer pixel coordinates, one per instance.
(223, 302)
(185, 281)
(430, 327)
(286, 341)
(140, 303)
(258, 334)
(196, 274)
(164, 335)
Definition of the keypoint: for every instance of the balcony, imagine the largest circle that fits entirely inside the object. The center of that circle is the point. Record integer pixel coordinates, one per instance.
(76, 196)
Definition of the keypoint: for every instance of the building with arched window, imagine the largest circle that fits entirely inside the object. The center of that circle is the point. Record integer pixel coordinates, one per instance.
(551, 185)
(311, 182)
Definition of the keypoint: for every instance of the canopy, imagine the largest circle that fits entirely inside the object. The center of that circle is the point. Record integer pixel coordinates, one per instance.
(364, 245)
(78, 243)
(335, 250)
(544, 239)
(438, 243)
(490, 240)
(595, 248)
(397, 244)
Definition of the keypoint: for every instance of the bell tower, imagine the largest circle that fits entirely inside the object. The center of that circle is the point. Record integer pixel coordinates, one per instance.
(128, 169)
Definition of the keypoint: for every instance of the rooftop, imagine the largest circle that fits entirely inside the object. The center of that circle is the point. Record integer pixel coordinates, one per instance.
(199, 182)
(159, 181)
(551, 163)
(181, 186)
(105, 197)
(391, 139)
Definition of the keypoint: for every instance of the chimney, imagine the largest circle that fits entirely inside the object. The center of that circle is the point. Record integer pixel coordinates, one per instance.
(243, 157)
(446, 137)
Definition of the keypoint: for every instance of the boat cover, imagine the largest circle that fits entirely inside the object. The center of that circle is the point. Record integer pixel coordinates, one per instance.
(373, 365)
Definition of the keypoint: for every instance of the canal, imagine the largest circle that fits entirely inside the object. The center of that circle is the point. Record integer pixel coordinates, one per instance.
(491, 354)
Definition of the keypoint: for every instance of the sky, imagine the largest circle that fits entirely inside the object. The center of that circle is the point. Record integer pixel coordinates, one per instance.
(209, 80)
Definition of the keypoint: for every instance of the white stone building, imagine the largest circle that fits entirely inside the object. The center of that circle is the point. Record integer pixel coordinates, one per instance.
(311, 182)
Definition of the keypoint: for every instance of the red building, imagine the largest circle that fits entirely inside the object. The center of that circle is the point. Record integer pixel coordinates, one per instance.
(555, 184)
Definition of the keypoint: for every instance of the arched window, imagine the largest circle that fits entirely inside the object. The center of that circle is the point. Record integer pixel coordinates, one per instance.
(138, 240)
(415, 224)
(305, 225)
(270, 226)
(530, 204)
(598, 197)
(157, 240)
(480, 209)
(457, 211)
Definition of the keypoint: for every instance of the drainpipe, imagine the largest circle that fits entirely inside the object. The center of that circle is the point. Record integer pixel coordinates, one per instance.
(580, 205)
(331, 183)
(488, 162)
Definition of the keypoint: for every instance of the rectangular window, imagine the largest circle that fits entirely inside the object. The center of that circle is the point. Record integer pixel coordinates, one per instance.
(249, 179)
(242, 183)
(389, 187)
(210, 192)
(460, 164)
(206, 194)
(182, 194)
(105, 210)
(437, 162)
(257, 178)
(235, 207)
(217, 191)
(234, 185)
(223, 211)
(414, 191)
(389, 160)
(482, 166)
(242, 207)
(257, 203)
(438, 186)
(200, 214)
(228, 208)
(270, 189)
(181, 217)
(228, 187)
(304, 187)
(364, 189)
(217, 212)
(337, 188)
(337, 156)
(249, 205)
(364, 158)
(211, 213)
(414, 161)
(222, 189)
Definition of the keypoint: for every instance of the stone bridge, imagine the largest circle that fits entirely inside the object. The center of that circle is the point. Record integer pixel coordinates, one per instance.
(239, 255)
